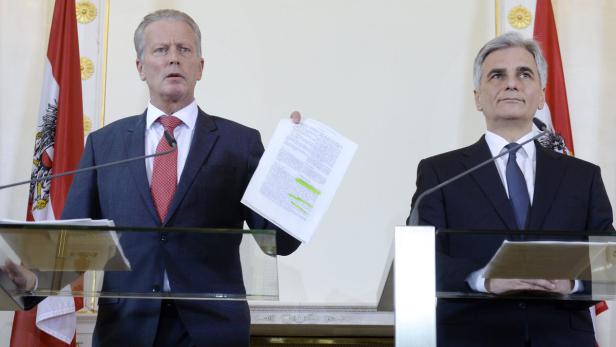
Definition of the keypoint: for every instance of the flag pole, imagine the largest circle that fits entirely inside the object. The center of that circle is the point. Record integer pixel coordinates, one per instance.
(497, 17)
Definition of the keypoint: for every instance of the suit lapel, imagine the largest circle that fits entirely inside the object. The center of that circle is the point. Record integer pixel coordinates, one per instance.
(548, 178)
(489, 181)
(135, 146)
(204, 139)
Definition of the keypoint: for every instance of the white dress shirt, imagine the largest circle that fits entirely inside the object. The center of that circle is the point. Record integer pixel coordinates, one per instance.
(183, 134)
(526, 157)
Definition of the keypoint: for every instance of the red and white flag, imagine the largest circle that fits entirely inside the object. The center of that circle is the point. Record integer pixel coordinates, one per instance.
(536, 17)
(555, 92)
(58, 147)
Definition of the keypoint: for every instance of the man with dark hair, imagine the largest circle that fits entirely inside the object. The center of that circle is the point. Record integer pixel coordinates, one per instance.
(531, 188)
(199, 185)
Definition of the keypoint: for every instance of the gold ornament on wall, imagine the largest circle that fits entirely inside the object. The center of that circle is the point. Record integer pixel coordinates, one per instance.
(87, 68)
(520, 17)
(87, 125)
(86, 12)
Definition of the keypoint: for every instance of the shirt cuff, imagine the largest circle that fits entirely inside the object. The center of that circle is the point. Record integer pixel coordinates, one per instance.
(578, 286)
(35, 284)
(476, 281)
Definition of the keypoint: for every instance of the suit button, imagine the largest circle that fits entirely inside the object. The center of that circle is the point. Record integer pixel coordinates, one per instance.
(163, 237)
(521, 305)
(155, 288)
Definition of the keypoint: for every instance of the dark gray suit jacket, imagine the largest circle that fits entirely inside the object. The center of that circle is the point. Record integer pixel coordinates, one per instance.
(222, 158)
(569, 196)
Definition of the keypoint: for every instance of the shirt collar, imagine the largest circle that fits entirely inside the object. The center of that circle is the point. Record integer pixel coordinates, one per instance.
(497, 144)
(188, 115)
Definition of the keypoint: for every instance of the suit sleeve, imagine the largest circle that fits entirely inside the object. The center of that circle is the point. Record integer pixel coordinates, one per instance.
(600, 216)
(285, 243)
(451, 272)
(82, 200)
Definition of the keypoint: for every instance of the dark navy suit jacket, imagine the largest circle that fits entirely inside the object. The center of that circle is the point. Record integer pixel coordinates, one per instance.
(569, 196)
(222, 158)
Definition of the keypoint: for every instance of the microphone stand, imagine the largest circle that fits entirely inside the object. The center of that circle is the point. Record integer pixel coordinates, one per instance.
(168, 137)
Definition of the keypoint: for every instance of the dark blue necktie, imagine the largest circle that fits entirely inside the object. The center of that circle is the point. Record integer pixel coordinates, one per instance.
(518, 192)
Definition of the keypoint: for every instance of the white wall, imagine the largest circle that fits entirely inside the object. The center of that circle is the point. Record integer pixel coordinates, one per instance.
(392, 75)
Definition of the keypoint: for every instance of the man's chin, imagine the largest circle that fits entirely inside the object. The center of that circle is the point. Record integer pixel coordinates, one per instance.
(512, 117)
(174, 94)
(515, 113)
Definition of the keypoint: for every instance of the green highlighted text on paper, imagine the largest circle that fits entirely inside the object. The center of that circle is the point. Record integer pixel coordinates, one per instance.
(300, 204)
(307, 186)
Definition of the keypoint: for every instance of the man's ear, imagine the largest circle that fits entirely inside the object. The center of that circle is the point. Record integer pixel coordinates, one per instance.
(541, 99)
(477, 101)
(139, 65)
(202, 67)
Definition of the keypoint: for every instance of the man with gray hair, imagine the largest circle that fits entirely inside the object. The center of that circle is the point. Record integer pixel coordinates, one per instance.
(531, 188)
(198, 186)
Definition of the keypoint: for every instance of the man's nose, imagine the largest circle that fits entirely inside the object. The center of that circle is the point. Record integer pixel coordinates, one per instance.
(174, 56)
(512, 83)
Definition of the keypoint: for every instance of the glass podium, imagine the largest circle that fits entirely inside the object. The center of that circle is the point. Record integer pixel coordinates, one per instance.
(422, 275)
(196, 264)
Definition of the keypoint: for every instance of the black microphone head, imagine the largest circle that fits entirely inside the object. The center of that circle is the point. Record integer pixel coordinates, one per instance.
(540, 125)
(170, 139)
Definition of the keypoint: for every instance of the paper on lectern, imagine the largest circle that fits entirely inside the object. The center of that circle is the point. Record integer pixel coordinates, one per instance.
(574, 260)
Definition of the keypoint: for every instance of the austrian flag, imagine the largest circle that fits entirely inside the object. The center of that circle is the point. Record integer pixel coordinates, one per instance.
(57, 148)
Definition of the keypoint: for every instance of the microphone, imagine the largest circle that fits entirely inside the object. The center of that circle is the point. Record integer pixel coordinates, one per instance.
(170, 140)
(540, 125)
(413, 218)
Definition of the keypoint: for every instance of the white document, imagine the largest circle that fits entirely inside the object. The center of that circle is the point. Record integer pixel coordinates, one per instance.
(298, 176)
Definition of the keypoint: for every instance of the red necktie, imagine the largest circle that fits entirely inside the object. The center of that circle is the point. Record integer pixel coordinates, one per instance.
(165, 170)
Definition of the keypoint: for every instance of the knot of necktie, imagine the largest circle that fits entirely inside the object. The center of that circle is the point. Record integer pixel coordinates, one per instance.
(169, 123)
(515, 150)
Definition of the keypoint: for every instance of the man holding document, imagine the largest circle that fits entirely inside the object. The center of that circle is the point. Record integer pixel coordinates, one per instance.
(199, 185)
(530, 188)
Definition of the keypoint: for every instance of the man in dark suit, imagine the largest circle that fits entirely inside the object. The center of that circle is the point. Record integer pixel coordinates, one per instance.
(533, 188)
(213, 164)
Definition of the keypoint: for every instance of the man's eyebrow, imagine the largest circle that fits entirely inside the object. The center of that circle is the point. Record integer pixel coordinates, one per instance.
(495, 71)
(525, 69)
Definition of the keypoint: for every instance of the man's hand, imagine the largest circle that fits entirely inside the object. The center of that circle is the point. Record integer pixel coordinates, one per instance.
(23, 278)
(502, 286)
(296, 117)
